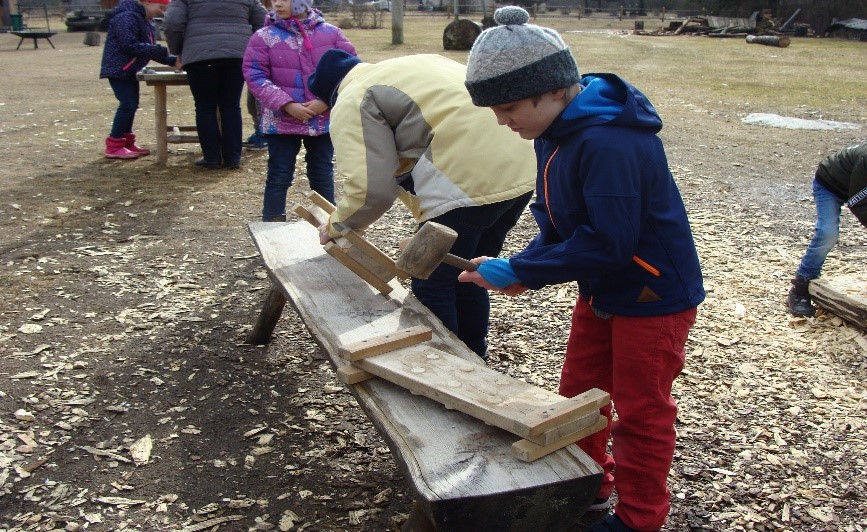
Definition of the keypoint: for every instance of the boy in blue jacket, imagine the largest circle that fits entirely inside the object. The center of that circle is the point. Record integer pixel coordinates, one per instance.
(611, 218)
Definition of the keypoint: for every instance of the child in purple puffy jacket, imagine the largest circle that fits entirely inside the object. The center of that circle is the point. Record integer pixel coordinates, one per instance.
(279, 59)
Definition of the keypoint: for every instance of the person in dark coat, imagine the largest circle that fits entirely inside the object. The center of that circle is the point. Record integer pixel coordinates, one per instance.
(129, 46)
(210, 37)
(841, 179)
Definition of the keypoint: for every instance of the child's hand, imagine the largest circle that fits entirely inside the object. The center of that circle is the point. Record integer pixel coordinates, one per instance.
(324, 237)
(477, 278)
(317, 106)
(298, 111)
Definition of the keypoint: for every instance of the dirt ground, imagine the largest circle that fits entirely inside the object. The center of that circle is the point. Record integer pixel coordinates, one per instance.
(129, 400)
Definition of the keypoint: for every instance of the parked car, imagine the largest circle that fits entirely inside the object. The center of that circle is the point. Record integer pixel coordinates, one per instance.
(87, 19)
(384, 5)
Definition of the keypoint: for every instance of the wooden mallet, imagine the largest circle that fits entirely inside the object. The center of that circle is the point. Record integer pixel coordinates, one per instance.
(428, 248)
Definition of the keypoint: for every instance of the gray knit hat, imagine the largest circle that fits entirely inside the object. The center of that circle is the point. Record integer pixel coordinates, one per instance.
(516, 60)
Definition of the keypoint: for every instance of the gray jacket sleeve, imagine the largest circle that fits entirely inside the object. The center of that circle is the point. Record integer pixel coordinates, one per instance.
(174, 25)
(257, 15)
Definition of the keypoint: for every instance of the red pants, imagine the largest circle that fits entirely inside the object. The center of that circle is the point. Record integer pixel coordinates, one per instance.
(636, 361)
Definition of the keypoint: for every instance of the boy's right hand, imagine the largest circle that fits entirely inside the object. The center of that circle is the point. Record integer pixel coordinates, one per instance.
(477, 278)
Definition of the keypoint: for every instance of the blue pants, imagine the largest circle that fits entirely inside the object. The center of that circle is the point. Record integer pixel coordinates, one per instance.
(828, 207)
(127, 93)
(282, 151)
(464, 308)
(217, 84)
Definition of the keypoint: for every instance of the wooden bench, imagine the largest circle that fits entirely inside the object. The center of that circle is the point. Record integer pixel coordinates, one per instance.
(466, 474)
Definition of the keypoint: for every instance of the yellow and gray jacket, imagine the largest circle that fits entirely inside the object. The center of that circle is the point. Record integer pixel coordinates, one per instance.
(406, 128)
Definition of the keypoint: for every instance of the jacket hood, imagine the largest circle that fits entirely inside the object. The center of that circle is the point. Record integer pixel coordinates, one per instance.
(605, 99)
(314, 17)
(127, 5)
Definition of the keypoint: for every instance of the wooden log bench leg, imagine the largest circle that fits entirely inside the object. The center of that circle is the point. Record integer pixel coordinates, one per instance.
(268, 318)
(418, 520)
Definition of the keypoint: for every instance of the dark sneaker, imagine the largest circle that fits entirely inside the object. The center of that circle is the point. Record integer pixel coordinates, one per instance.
(204, 163)
(256, 142)
(612, 523)
(799, 301)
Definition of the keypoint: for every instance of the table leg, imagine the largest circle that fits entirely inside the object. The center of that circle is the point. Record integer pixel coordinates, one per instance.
(35, 43)
(19, 43)
(161, 121)
(51, 43)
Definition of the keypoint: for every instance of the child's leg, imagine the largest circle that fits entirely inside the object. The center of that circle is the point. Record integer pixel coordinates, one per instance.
(828, 206)
(588, 365)
(320, 168)
(648, 354)
(282, 150)
(127, 93)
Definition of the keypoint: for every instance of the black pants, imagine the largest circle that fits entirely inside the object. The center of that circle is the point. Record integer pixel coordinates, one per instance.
(464, 308)
(217, 85)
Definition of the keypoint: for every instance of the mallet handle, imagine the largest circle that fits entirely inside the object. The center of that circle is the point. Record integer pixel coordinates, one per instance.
(460, 262)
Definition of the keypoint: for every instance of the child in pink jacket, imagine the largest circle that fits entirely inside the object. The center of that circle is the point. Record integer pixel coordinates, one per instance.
(279, 59)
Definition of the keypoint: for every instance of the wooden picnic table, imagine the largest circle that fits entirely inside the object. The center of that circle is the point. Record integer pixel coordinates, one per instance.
(159, 78)
(35, 35)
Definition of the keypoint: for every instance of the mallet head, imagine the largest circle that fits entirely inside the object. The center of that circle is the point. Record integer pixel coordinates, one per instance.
(426, 249)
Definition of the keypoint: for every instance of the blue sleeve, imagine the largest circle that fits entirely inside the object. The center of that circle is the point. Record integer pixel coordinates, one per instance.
(498, 272)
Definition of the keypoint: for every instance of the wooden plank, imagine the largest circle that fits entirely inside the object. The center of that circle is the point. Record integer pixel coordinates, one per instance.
(318, 200)
(844, 296)
(182, 139)
(370, 264)
(384, 343)
(374, 252)
(353, 238)
(304, 213)
(356, 267)
(484, 393)
(529, 452)
(352, 375)
(462, 471)
(578, 406)
(366, 266)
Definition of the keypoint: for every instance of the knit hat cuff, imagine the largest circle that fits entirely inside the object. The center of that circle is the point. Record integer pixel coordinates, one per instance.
(552, 72)
(330, 71)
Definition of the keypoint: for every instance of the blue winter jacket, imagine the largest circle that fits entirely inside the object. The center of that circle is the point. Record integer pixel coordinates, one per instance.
(609, 213)
(129, 43)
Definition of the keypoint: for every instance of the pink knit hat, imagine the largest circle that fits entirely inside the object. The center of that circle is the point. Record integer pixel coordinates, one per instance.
(166, 2)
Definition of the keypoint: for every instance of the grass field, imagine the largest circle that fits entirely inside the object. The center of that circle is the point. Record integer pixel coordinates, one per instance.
(808, 75)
